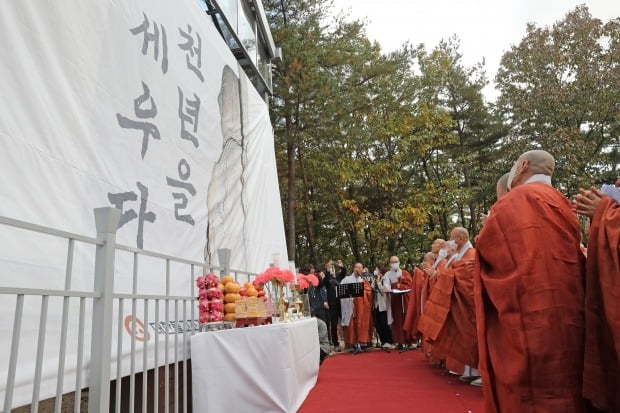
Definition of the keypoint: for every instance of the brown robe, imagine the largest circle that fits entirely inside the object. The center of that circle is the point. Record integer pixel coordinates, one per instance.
(529, 295)
(399, 303)
(435, 355)
(601, 379)
(449, 320)
(414, 305)
(358, 330)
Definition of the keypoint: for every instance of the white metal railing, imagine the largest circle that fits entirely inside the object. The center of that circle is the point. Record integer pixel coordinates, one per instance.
(103, 297)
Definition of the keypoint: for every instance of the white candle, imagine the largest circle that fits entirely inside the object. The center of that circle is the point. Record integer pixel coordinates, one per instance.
(276, 259)
(291, 267)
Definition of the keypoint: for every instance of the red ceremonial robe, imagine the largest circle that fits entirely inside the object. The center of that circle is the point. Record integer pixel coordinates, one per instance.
(529, 295)
(399, 304)
(414, 306)
(449, 318)
(357, 331)
(601, 379)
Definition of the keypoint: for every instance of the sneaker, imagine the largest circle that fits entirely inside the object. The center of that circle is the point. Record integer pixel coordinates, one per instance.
(414, 346)
(477, 382)
(468, 379)
(388, 346)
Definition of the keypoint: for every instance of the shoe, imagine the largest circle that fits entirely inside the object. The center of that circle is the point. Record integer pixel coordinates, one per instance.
(454, 373)
(477, 382)
(468, 379)
(414, 346)
(405, 348)
(388, 346)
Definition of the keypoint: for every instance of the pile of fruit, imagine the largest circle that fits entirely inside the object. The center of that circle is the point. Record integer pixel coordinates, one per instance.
(218, 301)
(231, 295)
(209, 298)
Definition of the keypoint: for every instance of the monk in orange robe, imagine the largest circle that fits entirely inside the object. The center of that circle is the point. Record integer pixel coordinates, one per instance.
(414, 307)
(356, 312)
(439, 249)
(400, 279)
(449, 318)
(529, 276)
(601, 378)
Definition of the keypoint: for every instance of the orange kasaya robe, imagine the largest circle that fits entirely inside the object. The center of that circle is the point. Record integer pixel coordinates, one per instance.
(529, 277)
(358, 330)
(601, 379)
(449, 319)
(414, 305)
(435, 355)
(399, 304)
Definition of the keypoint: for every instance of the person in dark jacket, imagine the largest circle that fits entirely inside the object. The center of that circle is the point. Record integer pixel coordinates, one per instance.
(331, 283)
(317, 295)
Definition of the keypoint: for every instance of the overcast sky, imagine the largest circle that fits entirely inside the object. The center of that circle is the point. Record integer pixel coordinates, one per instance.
(486, 28)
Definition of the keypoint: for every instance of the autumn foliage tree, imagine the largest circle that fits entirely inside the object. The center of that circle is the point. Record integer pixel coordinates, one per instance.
(380, 153)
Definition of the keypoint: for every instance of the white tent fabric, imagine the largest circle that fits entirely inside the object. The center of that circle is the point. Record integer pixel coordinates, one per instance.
(137, 104)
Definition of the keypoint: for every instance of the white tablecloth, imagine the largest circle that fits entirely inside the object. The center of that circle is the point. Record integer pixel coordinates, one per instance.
(260, 369)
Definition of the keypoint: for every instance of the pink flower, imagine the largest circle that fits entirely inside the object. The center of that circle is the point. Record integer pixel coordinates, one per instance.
(302, 282)
(312, 279)
(286, 276)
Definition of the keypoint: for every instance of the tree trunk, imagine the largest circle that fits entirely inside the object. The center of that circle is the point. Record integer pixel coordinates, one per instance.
(353, 241)
(307, 211)
(292, 199)
(473, 223)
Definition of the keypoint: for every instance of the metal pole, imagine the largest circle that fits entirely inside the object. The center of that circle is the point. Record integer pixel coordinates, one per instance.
(106, 221)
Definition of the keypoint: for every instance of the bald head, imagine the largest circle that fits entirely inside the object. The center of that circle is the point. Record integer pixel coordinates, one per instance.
(531, 163)
(460, 236)
(358, 269)
(501, 188)
(429, 258)
(437, 245)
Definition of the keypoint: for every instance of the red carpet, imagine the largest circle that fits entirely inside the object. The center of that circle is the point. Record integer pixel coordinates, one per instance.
(389, 382)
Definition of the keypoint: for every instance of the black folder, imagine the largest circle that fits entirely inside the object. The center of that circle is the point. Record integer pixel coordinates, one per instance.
(350, 290)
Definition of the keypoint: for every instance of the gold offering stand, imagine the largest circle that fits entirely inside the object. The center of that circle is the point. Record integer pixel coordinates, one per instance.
(300, 302)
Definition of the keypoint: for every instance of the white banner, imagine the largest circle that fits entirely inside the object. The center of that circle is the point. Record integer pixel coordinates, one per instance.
(137, 104)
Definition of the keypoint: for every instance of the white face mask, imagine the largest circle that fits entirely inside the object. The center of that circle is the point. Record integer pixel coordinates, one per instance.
(376, 272)
(452, 244)
(443, 253)
(394, 265)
